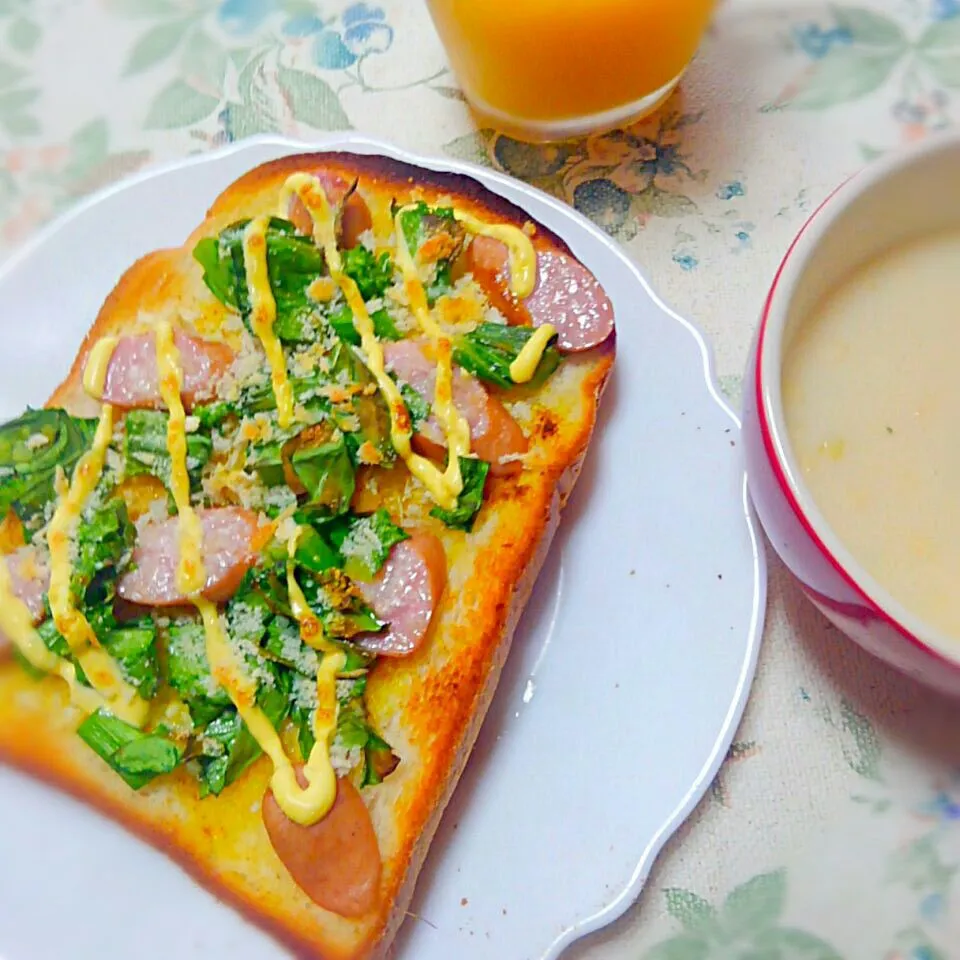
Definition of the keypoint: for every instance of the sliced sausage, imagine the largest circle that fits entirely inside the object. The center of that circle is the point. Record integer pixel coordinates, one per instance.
(231, 542)
(489, 262)
(132, 378)
(406, 593)
(336, 862)
(29, 580)
(567, 294)
(353, 214)
(494, 434)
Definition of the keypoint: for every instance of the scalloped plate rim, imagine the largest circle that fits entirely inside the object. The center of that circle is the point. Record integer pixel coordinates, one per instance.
(492, 178)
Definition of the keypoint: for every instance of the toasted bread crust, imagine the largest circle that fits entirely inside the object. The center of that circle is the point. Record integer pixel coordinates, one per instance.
(429, 706)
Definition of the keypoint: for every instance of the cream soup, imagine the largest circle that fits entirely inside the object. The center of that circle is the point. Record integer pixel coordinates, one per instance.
(871, 393)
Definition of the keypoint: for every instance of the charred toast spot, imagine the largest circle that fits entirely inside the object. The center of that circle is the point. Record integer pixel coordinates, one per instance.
(546, 425)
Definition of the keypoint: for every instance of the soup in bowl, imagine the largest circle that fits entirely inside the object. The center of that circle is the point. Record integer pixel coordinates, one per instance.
(852, 411)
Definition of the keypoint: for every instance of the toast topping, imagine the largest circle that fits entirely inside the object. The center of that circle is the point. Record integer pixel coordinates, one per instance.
(190, 575)
(16, 623)
(443, 486)
(523, 257)
(99, 668)
(448, 485)
(525, 364)
(226, 555)
(263, 315)
(336, 861)
(230, 541)
(406, 593)
(566, 294)
(308, 805)
(494, 434)
(98, 361)
(123, 372)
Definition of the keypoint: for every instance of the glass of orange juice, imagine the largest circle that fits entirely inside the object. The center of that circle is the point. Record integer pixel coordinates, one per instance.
(552, 69)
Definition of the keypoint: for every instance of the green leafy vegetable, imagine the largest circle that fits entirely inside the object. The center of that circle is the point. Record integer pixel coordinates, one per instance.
(420, 223)
(302, 719)
(442, 282)
(488, 351)
(283, 645)
(417, 406)
(363, 543)
(315, 552)
(371, 273)
(293, 263)
(103, 543)
(338, 604)
(136, 756)
(355, 732)
(132, 644)
(383, 325)
(217, 270)
(326, 472)
(434, 235)
(380, 759)
(341, 319)
(474, 473)
(212, 415)
(319, 459)
(229, 747)
(145, 447)
(330, 594)
(56, 643)
(366, 409)
(31, 449)
(358, 545)
(188, 673)
(134, 647)
(362, 415)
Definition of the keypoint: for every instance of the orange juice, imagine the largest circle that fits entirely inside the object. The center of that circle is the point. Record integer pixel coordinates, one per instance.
(563, 67)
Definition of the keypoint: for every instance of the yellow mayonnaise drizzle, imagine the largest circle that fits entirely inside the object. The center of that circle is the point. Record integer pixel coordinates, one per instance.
(523, 256)
(303, 806)
(523, 279)
(444, 487)
(17, 624)
(98, 361)
(191, 577)
(454, 424)
(263, 314)
(318, 770)
(528, 359)
(101, 670)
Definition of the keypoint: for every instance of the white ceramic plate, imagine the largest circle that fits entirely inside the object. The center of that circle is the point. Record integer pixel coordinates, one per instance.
(628, 674)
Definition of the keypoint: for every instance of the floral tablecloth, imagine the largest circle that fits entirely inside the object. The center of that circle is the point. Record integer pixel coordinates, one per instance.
(833, 830)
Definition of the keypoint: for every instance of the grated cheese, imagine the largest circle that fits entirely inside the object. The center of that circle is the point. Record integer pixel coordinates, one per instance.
(305, 694)
(287, 529)
(361, 543)
(343, 759)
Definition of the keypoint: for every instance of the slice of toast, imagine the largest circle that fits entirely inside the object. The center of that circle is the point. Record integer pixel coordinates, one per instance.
(428, 706)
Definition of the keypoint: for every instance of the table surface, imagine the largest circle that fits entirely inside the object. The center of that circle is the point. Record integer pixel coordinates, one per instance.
(831, 831)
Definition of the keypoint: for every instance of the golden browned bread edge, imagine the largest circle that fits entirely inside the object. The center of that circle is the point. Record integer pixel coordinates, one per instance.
(521, 594)
(149, 278)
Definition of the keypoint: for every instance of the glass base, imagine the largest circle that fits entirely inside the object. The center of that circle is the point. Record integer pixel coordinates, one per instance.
(545, 131)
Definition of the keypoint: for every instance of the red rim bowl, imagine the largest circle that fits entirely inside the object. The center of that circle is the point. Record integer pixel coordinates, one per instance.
(904, 195)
